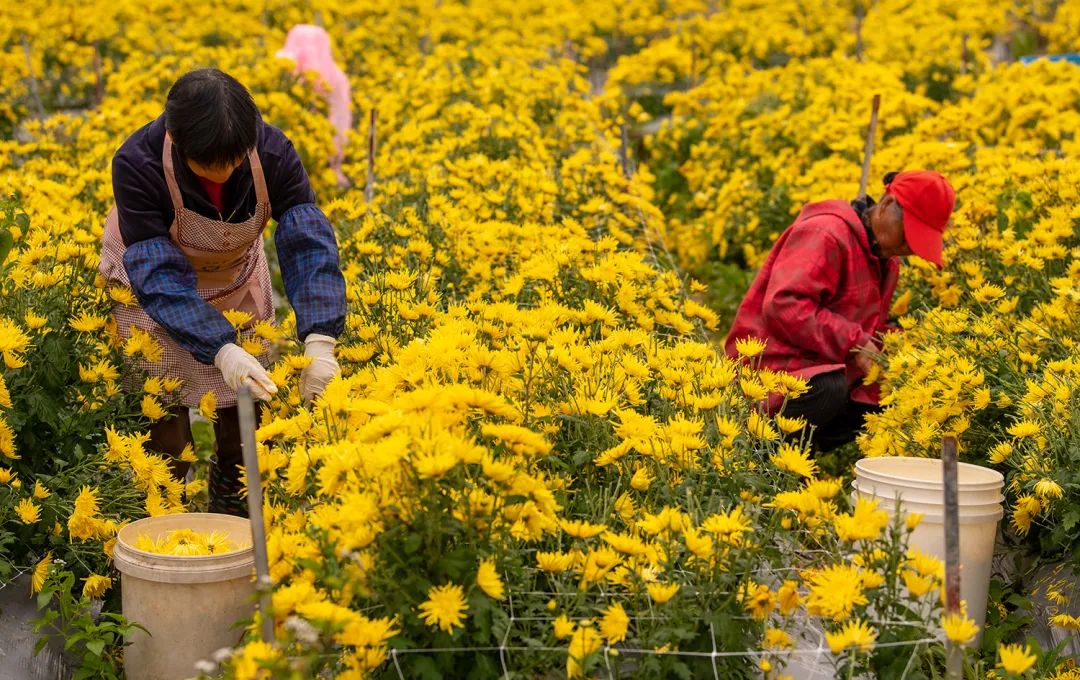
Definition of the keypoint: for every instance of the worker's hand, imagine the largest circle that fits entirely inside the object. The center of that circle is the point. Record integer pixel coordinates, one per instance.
(238, 368)
(864, 356)
(323, 366)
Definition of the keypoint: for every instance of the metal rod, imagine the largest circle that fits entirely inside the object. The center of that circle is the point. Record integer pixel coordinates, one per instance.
(246, 407)
(369, 185)
(869, 150)
(954, 658)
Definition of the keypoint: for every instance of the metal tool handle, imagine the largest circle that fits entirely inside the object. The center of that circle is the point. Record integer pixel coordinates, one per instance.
(954, 657)
(246, 406)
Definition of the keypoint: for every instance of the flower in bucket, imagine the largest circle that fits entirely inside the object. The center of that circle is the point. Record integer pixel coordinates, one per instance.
(188, 543)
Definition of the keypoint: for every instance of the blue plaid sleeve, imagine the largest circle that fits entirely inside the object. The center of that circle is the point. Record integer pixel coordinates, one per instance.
(308, 253)
(164, 282)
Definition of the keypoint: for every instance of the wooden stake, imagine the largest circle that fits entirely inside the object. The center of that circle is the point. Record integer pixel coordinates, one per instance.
(32, 79)
(692, 76)
(858, 33)
(624, 151)
(954, 658)
(99, 79)
(869, 150)
(369, 185)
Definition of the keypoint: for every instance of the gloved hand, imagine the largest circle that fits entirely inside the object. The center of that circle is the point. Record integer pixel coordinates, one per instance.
(323, 366)
(238, 367)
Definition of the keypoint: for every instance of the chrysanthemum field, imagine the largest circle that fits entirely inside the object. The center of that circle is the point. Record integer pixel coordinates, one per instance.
(538, 462)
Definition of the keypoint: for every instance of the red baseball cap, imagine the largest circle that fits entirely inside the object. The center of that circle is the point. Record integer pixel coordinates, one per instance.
(926, 199)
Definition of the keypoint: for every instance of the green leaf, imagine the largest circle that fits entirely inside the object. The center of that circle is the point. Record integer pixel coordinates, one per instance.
(95, 647)
(484, 667)
(7, 242)
(412, 543)
(425, 668)
(71, 640)
(44, 597)
(44, 620)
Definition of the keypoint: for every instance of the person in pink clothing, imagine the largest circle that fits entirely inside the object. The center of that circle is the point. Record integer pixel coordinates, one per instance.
(309, 47)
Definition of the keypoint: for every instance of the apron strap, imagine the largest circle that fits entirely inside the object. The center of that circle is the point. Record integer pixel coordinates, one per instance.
(261, 195)
(170, 176)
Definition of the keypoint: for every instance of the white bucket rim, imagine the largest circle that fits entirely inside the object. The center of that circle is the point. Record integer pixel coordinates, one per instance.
(927, 485)
(878, 466)
(863, 491)
(181, 568)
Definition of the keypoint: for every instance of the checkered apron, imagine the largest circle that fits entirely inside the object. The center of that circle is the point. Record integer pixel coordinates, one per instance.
(232, 272)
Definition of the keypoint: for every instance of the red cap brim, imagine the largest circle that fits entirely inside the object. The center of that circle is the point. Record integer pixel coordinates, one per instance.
(923, 240)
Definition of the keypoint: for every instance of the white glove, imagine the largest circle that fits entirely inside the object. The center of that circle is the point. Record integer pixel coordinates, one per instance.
(323, 366)
(238, 368)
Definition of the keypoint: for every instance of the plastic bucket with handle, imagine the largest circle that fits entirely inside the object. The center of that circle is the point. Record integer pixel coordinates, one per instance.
(189, 605)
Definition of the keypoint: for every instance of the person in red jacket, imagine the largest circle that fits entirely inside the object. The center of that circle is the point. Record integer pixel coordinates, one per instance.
(821, 301)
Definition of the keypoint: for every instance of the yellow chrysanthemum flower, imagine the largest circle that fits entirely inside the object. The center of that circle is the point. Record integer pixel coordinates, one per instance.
(28, 511)
(488, 579)
(208, 406)
(563, 627)
(661, 593)
(152, 409)
(1016, 659)
(237, 318)
(854, 634)
(614, 624)
(95, 586)
(791, 458)
(41, 571)
(959, 628)
(749, 347)
(445, 607)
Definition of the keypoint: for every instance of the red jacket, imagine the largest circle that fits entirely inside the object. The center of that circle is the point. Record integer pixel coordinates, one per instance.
(820, 293)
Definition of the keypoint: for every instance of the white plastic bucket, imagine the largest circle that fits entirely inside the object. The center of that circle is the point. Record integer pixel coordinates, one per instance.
(188, 605)
(909, 485)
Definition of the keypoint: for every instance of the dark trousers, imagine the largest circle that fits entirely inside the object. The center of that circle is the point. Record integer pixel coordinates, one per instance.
(171, 435)
(828, 406)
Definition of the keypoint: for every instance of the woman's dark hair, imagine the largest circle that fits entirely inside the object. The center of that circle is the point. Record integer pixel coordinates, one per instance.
(211, 117)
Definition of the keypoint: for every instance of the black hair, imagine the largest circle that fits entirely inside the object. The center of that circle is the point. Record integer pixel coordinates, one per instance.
(211, 118)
